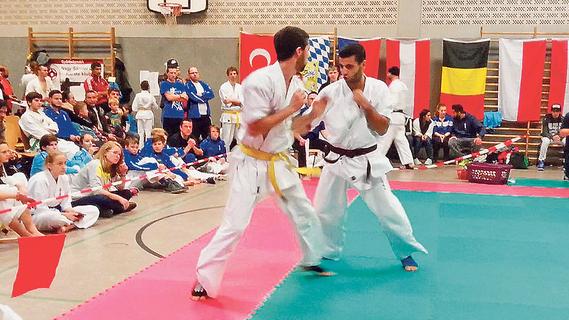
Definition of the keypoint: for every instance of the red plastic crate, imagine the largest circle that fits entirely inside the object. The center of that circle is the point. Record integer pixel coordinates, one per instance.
(489, 173)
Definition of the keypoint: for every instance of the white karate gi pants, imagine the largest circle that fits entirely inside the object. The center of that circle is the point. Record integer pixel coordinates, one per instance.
(331, 205)
(396, 134)
(48, 219)
(228, 132)
(248, 186)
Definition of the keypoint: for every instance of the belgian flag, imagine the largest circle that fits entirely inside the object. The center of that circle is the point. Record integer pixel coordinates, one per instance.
(464, 74)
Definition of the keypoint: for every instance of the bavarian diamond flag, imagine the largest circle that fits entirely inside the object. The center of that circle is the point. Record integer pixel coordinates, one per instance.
(315, 72)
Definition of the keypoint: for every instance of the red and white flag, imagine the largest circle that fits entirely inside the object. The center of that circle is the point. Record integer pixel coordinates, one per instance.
(256, 51)
(521, 76)
(559, 83)
(413, 57)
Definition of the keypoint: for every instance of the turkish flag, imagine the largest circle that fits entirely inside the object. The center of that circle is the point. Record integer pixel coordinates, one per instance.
(38, 260)
(257, 51)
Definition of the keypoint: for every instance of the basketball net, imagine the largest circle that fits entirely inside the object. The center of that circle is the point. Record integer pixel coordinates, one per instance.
(170, 11)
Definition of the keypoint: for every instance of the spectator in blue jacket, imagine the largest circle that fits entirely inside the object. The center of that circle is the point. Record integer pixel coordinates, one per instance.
(442, 131)
(47, 144)
(199, 112)
(56, 112)
(467, 132)
(213, 146)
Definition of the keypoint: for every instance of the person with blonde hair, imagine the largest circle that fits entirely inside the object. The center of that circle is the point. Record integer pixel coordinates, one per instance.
(13, 195)
(442, 129)
(58, 215)
(108, 166)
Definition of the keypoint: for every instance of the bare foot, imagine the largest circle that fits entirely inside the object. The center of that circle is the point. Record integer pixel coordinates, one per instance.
(64, 229)
(411, 268)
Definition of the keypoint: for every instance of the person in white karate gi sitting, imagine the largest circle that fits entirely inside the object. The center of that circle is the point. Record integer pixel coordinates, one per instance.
(58, 215)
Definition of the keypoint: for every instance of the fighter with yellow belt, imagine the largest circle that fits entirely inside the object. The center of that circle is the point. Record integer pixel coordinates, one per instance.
(231, 96)
(261, 165)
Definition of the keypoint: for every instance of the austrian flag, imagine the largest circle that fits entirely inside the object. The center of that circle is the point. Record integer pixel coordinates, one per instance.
(520, 80)
(414, 61)
(559, 89)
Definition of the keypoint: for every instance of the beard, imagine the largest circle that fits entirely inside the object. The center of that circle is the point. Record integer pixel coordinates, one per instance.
(300, 64)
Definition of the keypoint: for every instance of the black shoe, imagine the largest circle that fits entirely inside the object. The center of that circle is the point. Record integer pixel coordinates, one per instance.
(131, 206)
(106, 213)
(210, 180)
(318, 270)
(199, 293)
(174, 187)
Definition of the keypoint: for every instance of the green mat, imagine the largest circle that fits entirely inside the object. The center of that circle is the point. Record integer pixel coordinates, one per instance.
(490, 258)
(526, 182)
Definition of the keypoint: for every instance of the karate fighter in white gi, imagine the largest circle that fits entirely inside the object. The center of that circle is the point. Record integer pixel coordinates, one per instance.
(356, 114)
(260, 164)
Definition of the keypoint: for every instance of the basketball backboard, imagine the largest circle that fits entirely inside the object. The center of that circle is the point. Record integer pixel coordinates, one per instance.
(188, 6)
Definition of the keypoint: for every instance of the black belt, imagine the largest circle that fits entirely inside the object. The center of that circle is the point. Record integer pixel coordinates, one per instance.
(400, 111)
(350, 153)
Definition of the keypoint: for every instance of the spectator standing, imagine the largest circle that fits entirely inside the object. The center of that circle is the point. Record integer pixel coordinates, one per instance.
(199, 93)
(174, 95)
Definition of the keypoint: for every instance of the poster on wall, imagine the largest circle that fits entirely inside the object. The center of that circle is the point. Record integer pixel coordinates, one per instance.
(71, 73)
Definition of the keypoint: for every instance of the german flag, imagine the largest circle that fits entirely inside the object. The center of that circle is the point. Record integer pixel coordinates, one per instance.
(464, 74)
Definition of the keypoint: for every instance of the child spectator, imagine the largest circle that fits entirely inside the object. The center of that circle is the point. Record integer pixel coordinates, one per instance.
(105, 168)
(85, 155)
(49, 143)
(214, 146)
(13, 195)
(58, 215)
(142, 104)
(139, 165)
(116, 119)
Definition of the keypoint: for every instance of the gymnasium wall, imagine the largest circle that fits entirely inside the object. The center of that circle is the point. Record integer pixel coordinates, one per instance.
(209, 40)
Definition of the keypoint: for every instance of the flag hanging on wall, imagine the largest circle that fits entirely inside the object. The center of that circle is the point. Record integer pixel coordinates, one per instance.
(520, 79)
(316, 71)
(414, 61)
(463, 79)
(372, 47)
(559, 83)
(256, 52)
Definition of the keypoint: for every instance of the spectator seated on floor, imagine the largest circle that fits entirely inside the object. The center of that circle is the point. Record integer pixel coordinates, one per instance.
(49, 143)
(13, 195)
(85, 154)
(83, 124)
(467, 133)
(159, 152)
(550, 128)
(214, 146)
(422, 133)
(36, 124)
(186, 143)
(107, 167)
(139, 165)
(116, 121)
(56, 113)
(312, 137)
(58, 215)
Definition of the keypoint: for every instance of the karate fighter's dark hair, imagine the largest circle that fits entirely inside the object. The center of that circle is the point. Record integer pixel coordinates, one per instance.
(356, 50)
(394, 71)
(287, 40)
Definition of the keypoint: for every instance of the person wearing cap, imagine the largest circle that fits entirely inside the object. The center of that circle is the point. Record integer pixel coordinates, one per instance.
(173, 94)
(199, 112)
(550, 127)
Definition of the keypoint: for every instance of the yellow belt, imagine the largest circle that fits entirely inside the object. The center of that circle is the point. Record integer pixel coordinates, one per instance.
(235, 112)
(271, 158)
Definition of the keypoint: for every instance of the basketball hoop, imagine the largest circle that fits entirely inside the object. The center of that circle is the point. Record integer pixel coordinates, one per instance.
(170, 11)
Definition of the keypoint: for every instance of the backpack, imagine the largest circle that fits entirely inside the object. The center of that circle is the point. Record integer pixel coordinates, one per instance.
(519, 160)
